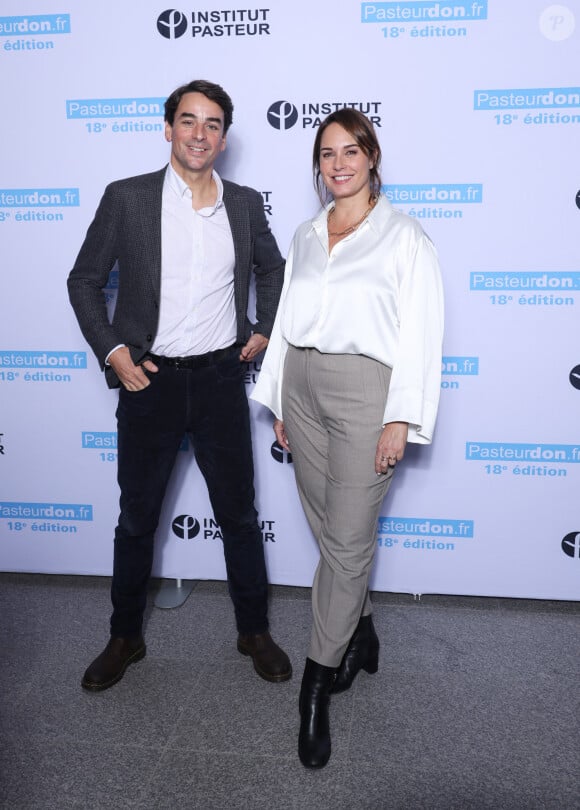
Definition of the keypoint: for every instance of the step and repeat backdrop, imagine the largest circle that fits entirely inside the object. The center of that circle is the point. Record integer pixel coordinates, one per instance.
(477, 106)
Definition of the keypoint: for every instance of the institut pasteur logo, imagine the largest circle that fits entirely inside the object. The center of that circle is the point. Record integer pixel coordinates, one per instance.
(284, 114)
(240, 22)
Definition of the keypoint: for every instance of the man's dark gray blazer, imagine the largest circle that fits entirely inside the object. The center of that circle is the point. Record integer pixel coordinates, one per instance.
(127, 229)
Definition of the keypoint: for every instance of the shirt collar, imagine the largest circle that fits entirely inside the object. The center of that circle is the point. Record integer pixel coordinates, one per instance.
(382, 209)
(180, 187)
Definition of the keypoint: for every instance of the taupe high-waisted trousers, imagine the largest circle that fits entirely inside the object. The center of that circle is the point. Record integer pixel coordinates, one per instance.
(333, 407)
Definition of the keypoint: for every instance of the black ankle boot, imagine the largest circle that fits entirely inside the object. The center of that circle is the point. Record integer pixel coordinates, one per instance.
(314, 737)
(361, 653)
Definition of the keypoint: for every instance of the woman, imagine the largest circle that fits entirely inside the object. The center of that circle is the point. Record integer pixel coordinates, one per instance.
(352, 372)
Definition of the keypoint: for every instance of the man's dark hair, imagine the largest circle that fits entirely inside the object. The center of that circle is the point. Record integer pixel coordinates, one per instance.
(208, 89)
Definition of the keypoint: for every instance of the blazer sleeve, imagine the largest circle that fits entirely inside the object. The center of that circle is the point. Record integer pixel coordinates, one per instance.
(90, 274)
(268, 266)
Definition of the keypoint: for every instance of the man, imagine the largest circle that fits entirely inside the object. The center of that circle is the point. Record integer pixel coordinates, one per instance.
(186, 242)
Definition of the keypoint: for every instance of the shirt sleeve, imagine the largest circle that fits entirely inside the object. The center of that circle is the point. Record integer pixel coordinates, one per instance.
(268, 389)
(416, 376)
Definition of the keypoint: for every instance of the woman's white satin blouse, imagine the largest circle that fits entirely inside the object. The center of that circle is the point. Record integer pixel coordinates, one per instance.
(379, 294)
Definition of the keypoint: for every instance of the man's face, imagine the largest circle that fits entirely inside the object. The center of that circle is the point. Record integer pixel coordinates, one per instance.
(197, 135)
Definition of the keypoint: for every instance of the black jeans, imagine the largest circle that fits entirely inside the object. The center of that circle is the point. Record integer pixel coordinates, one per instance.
(210, 405)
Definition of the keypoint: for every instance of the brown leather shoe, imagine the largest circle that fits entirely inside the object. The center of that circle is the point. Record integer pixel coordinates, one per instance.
(270, 662)
(111, 664)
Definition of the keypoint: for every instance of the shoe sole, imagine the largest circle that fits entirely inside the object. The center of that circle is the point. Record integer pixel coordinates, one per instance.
(267, 676)
(100, 687)
(313, 767)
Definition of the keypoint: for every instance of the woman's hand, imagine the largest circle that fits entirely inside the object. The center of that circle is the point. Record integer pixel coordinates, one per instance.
(281, 437)
(391, 446)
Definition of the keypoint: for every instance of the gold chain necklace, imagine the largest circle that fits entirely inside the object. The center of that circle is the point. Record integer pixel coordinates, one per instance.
(350, 228)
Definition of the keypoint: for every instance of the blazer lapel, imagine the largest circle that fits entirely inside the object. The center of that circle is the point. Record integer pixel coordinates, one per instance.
(148, 207)
(238, 215)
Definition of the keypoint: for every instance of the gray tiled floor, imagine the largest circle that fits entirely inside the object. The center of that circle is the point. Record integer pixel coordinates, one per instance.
(476, 705)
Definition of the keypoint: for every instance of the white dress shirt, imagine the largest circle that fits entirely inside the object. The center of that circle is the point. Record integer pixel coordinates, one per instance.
(197, 309)
(378, 294)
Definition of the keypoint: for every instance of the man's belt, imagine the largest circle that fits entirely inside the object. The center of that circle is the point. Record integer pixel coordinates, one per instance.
(193, 360)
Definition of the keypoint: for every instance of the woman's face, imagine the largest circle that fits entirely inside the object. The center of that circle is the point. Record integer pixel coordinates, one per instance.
(344, 167)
